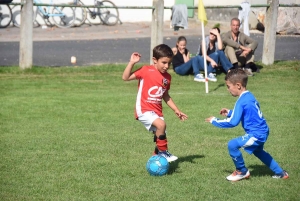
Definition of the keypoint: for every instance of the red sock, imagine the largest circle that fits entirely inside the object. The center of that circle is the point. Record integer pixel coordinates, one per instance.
(162, 145)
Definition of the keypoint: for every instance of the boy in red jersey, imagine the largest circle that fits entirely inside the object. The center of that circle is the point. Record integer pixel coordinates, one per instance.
(154, 84)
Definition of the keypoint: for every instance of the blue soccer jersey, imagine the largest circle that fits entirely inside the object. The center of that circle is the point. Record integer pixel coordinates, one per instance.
(247, 111)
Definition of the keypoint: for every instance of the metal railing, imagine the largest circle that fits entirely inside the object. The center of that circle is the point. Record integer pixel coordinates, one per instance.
(151, 7)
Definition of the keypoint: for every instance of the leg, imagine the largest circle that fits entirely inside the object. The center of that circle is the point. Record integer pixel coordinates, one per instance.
(224, 61)
(250, 58)
(230, 54)
(161, 140)
(241, 171)
(236, 155)
(250, 62)
(184, 69)
(210, 69)
(197, 63)
(201, 65)
(243, 62)
(268, 160)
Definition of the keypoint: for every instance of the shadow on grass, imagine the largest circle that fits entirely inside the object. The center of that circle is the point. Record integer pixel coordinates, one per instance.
(256, 171)
(175, 165)
(259, 67)
(219, 86)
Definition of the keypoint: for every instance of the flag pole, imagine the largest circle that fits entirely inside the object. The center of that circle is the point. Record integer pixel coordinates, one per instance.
(202, 17)
(204, 58)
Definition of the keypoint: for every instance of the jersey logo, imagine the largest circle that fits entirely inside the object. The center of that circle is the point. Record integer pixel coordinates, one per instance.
(165, 83)
(155, 92)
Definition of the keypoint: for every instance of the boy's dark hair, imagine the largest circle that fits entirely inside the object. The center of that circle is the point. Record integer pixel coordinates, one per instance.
(162, 50)
(237, 75)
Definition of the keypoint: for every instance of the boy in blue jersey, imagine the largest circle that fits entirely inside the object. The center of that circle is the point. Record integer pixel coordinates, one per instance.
(247, 111)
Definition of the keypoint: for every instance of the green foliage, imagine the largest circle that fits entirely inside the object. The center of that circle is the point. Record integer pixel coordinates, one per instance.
(69, 134)
(216, 25)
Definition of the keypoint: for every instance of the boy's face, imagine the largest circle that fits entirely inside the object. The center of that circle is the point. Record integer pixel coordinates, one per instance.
(234, 89)
(162, 64)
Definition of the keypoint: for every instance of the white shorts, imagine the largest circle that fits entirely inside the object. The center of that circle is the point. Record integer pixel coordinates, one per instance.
(148, 118)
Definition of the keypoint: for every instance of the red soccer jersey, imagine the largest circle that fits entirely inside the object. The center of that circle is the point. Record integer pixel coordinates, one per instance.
(152, 85)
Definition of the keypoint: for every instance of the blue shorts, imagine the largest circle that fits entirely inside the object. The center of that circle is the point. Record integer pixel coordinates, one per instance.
(250, 143)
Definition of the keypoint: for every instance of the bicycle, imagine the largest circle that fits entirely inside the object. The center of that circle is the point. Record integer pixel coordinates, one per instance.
(5, 13)
(63, 17)
(108, 14)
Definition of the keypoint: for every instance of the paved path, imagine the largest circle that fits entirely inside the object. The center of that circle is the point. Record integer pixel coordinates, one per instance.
(101, 32)
(94, 45)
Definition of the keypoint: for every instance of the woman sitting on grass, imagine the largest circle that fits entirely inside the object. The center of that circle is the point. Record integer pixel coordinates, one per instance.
(214, 51)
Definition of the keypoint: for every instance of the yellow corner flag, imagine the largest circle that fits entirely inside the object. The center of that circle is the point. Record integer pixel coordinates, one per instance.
(201, 13)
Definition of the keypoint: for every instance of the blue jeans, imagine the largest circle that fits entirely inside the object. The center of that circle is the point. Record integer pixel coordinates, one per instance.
(194, 64)
(219, 56)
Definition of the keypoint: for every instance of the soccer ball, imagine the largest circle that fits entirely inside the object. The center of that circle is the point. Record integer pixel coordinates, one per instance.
(157, 165)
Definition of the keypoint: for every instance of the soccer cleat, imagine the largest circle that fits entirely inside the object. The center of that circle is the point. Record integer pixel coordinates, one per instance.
(199, 78)
(211, 77)
(283, 175)
(168, 156)
(238, 175)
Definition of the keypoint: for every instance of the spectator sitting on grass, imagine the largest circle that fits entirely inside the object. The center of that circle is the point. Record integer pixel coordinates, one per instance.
(214, 51)
(239, 48)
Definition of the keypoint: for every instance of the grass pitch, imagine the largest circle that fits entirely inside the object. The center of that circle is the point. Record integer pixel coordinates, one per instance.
(70, 134)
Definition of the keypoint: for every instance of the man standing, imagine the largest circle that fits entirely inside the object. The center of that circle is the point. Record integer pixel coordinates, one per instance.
(239, 48)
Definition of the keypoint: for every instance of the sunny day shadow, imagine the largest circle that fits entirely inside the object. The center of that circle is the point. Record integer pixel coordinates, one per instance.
(175, 165)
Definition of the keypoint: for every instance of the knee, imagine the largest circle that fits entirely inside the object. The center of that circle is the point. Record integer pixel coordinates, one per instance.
(233, 145)
(215, 54)
(199, 58)
(220, 52)
(229, 48)
(259, 152)
(160, 125)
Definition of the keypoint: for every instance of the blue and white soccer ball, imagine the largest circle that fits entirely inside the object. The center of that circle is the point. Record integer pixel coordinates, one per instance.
(157, 165)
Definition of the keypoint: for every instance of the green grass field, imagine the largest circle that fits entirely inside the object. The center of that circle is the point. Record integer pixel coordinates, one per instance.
(69, 134)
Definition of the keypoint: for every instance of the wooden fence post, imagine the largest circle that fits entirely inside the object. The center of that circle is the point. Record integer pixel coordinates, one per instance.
(270, 33)
(25, 52)
(157, 25)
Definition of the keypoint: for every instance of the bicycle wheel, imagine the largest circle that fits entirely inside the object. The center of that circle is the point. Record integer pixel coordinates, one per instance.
(109, 16)
(80, 14)
(16, 11)
(5, 15)
(63, 17)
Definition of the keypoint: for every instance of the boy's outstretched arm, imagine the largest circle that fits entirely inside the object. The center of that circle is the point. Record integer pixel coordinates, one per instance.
(127, 74)
(232, 120)
(172, 105)
(223, 112)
